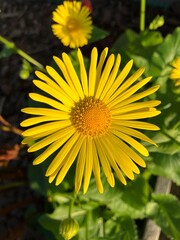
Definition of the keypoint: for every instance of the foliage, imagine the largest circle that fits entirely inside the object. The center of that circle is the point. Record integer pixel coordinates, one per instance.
(115, 214)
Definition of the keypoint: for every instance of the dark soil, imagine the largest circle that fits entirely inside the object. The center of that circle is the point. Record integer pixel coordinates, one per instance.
(28, 25)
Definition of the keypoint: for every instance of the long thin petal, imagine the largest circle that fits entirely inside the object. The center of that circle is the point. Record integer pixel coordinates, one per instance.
(83, 73)
(128, 83)
(134, 133)
(46, 127)
(62, 154)
(53, 92)
(67, 90)
(132, 142)
(88, 164)
(96, 169)
(105, 75)
(112, 77)
(52, 148)
(105, 163)
(125, 95)
(136, 97)
(51, 138)
(80, 167)
(65, 73)
(135, 107)
(92, 71)
(112, 161)
(122, 75)
(36, 120)
(45, 112)
(72, 74)
(136, 124)
(69, 160)
(53, 103)
(100, 64)
(46, 79)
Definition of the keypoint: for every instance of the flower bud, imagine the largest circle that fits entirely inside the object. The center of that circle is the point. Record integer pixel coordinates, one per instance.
(68, 228)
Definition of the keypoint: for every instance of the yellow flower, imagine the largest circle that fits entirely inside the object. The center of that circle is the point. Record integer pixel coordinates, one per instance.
(73, 24)
(175, 74)
(92, 121)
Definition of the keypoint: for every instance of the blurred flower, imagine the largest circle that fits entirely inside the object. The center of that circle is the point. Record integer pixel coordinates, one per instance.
(93, 119)
(175, 74)
(73, 24)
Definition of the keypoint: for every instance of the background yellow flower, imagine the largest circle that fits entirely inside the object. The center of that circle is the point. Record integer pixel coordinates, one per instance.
(175, 74)
(93, 118)
(73, 24)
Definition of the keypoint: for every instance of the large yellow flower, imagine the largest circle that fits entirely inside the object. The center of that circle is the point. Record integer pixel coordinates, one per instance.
(92, 119)
(73, 24)
(175, 74)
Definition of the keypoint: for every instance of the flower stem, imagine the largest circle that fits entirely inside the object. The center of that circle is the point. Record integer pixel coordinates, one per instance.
(71, 205)
(142, 15)
(24, 55)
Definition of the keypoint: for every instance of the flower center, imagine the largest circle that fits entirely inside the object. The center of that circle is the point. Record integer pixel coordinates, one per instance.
(91, 117)
(72, 25)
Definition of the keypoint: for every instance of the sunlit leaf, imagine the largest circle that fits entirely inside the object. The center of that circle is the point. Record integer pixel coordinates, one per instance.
(166, 165)
(165, 212)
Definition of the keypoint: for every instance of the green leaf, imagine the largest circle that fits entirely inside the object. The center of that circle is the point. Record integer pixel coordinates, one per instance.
(157, 22)
(6, 52)
(123, 228)
(51, 225)
(122, 200)
(150, 38)
(166, 213)
(98, 34)
(165, 53)
(166, 165)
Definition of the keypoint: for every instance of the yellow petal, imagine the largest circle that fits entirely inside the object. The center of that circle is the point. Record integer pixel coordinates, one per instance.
(105, 75)
(51, 138)
(105, 163)
(52, 148)
(84, 79)
(132, 142)
(46, 127)
(120, 78)
(56, 104)
(96, 169)
(88, 165)
(69, 160)
(80, 167)
(112, 77)
(67, 90)
(72, 73)
(62, 154)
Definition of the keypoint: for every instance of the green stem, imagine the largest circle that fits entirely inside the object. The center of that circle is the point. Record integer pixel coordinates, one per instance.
(12, 46)
(142, 15)
(71, 205)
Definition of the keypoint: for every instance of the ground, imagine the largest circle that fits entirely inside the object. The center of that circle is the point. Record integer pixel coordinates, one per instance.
(27, 24)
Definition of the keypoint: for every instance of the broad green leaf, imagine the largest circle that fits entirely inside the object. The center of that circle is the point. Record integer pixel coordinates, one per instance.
(150, 38)
(122, 200)
(165, 212)
(51, 225)
(123, 228)
(166, 52)
(166, 165)
(98, 34)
